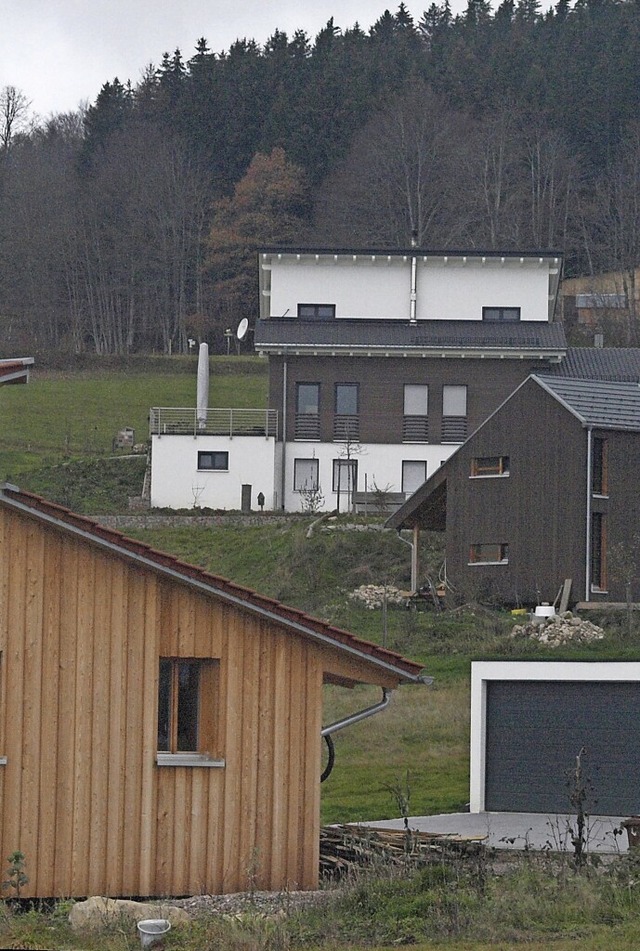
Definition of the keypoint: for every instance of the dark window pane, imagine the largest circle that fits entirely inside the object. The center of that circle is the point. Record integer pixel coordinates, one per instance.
(347, 399)
(164, 706)
(308, 399)
(188, 699)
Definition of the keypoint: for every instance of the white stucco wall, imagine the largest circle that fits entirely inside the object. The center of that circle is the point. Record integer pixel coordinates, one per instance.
(176, 481)
(381, 288)
(378, 465)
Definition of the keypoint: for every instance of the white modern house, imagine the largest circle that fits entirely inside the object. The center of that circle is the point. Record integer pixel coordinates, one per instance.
(380, 365)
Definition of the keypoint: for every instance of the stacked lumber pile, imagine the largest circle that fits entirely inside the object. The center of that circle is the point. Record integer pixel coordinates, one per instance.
(344, 848)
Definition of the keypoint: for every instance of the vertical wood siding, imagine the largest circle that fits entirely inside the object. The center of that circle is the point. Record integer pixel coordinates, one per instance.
(81, 633)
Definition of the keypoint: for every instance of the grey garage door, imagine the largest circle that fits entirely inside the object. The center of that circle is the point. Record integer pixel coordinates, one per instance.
(534, 731)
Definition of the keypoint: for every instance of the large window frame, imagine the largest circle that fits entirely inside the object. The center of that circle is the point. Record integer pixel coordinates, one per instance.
(345, 476)
(307, 418)
(407, 465)
(188, 688)
(346, 404)
(455, 396)
(309, 480)
(415, 413)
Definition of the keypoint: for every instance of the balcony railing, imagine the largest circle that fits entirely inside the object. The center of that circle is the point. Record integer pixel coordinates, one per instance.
(415, 429)
(172, 421)
(454, 428)
(307, 427)
(346, 428)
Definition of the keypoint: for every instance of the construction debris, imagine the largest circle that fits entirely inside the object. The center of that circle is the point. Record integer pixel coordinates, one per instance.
(344, 848)
(373, 596)
(560, 630)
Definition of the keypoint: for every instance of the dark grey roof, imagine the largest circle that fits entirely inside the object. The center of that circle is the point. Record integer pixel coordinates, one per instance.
(601, 403)
(608, 363)
(274, 334)
(420, 251)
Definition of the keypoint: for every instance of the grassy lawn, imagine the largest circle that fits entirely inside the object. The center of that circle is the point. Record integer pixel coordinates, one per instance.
(62, 414)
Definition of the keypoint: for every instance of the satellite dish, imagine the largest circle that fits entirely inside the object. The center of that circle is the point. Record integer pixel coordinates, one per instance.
(241, 331)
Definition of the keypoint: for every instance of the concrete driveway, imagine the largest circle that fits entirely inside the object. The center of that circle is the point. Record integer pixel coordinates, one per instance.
(519, 830)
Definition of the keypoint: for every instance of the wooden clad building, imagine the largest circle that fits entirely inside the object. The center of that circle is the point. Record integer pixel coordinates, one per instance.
(544, 490)
(160, 727)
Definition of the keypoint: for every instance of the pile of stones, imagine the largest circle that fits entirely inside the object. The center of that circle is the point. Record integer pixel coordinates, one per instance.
(373, 596)
(560, 630)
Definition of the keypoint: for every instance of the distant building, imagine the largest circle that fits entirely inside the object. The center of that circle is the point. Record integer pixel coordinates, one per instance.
(604, 300)
(381, 362)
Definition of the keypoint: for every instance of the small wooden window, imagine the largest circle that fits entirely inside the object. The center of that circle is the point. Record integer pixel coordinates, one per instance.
(489, 466)
(187, 693)
(489, 554)
(598, 552)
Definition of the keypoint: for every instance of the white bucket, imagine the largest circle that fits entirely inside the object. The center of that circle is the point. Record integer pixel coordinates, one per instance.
(152, 931)
(545, 611)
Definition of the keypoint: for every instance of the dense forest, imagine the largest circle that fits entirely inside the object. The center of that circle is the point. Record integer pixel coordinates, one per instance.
(132, 225)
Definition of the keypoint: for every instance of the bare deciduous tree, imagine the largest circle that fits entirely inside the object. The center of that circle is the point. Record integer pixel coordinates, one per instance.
(14, 111)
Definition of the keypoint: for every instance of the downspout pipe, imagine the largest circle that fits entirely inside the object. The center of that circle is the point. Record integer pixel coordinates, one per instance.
(283, 460)
(587, 566)
(367, 712)
(414, 289)
(357, 717)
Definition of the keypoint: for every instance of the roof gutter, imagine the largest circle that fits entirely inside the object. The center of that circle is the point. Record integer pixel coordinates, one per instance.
(237, 601)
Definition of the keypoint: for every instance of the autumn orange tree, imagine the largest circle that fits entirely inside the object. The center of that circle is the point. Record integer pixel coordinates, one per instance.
(269, 206)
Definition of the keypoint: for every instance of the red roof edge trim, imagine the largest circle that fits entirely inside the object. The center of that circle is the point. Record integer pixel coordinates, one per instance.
(281, 612)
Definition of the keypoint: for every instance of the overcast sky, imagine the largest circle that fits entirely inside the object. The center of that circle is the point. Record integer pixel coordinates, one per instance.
(60, 52)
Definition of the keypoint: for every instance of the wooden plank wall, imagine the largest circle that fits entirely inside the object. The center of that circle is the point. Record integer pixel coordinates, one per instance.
(81, 632)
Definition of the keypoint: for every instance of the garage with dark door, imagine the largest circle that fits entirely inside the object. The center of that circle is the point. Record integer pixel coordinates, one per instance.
(530, 720)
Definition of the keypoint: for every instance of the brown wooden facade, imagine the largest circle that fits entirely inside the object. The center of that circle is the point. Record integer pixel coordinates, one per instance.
(541, 509)
(381, 382)
(85, 616)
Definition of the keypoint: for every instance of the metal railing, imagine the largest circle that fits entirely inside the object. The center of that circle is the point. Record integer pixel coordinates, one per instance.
(177, 421)
(307, 427)
(454, 428)
(415, 429)
(346, 428)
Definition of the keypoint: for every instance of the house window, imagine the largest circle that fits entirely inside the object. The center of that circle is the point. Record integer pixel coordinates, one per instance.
(186, 692)
(599, 467)
(346, 427)
(598, 552)
(305, 475)
(307, 422)
(415, 421)
(489, 466)
(345, 475)
(216, 461)
(489, 554)
(317, 311)
(501, 314)
(454, 413)
(414, 473)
